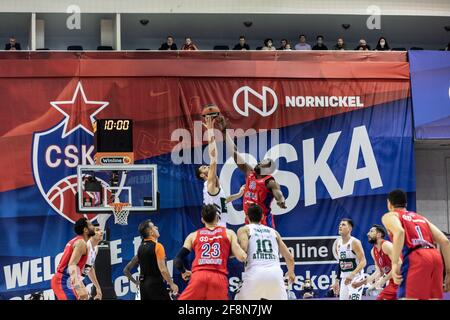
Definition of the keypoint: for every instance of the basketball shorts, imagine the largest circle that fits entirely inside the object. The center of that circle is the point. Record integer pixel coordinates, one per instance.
(422, 271)
(206, 285)
(389, 292)
(62, 287)
(262, 283)
(347, 292)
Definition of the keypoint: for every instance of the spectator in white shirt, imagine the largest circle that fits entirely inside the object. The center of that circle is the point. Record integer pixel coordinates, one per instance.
(302, 45)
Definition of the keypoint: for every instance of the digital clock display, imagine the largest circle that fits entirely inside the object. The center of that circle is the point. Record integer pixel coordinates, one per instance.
(116, 125)
(114, 135)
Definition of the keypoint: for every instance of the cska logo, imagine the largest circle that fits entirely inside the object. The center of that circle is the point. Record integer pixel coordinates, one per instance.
(58, 151)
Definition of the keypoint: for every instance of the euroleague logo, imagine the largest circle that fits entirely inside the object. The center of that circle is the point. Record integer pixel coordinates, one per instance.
(58, 151)
(264, 103)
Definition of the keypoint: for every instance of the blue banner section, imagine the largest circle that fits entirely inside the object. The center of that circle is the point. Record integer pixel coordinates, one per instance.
(430, 87)
(329, 168)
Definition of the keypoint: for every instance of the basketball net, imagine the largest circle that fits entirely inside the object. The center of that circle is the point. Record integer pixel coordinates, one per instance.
(121, 210)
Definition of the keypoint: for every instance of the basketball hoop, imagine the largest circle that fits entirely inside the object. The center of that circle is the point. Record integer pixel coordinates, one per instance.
(121, 210)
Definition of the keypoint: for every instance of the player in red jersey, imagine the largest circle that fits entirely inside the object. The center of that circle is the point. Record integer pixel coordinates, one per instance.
(381, 254)
(420, 275)
(260, 186)
(67, 283)
(212, 246)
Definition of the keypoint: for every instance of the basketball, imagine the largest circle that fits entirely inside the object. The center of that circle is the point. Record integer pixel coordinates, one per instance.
(211, 110)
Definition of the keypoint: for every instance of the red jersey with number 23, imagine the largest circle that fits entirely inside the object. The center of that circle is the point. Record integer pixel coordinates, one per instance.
(212, 250)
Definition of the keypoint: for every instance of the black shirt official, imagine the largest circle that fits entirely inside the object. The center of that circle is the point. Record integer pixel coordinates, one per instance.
(151, 257)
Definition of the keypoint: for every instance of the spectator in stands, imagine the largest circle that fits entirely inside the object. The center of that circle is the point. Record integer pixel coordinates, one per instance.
(169, 44)
(319, 44)
(268, 45)
(283, 42)
(12, 45)
(288, 47)
(189, 45)
(302, 45)
(307, 291)
(340, 45)
(382, 45)
(241, 45)
(362, 45)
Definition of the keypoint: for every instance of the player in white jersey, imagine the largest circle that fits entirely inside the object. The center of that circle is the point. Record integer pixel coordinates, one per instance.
(89, 270)
(351, 262)
(212, 191)
(263, 276)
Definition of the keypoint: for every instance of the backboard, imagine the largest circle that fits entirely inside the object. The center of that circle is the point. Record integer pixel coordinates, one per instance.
(99, 186)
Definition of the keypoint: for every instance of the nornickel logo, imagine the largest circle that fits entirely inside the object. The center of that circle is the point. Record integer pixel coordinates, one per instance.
(264, 109)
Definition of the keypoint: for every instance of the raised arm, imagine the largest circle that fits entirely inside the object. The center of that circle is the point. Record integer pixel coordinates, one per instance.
(276, 191)
(212, 184)
(236, 196)
(232, 148)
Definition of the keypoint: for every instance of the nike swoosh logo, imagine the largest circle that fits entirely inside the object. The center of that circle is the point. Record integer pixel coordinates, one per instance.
(157, 94)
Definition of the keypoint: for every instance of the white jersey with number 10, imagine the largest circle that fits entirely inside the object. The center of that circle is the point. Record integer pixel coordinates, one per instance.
(262, 247)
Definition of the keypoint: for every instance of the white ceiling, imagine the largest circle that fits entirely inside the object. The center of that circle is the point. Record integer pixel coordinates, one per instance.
(360, 7)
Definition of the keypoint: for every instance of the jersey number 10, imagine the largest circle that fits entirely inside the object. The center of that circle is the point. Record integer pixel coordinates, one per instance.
(264, 246)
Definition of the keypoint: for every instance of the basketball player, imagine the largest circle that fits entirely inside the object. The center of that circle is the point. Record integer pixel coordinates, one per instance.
(351, 262)
(260, 186)
(420, 275)
(212, 191)
(151, 257)
(89, 270)
(67, 282)
(263, 276)
(381, 254)
(212, 246)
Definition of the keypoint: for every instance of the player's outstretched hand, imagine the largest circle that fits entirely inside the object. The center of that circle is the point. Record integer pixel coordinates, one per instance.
(221, 123)
(186, 275)
(209, 122)
(282, 204)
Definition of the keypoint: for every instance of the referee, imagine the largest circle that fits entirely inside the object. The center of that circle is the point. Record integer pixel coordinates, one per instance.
(152, 261)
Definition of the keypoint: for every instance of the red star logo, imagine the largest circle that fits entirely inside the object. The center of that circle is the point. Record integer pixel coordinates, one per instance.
(79, 112)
